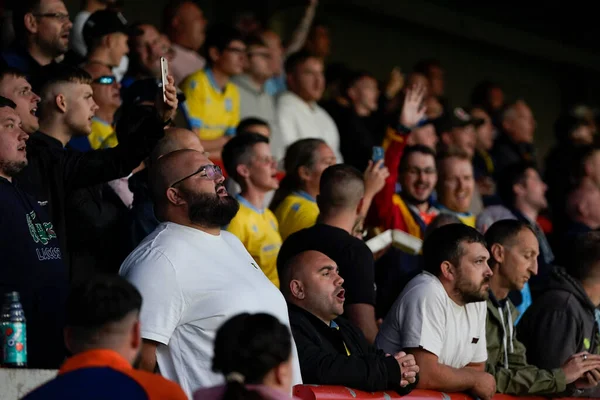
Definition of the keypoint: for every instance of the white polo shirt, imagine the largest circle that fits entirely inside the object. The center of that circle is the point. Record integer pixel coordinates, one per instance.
(425, 316)
(191, 282)
(301, 120)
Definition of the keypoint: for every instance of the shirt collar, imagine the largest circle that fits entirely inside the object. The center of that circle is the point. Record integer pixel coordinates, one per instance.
(304, 195)
(245, 202)
(213, 81)
(95, 358)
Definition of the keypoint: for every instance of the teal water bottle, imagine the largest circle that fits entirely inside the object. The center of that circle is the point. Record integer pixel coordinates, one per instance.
(14, 332)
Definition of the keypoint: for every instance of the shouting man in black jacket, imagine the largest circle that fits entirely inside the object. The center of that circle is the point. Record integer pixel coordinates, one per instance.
(331, 350)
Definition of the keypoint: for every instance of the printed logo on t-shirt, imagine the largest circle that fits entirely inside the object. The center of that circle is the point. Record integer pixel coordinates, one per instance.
(40, 232)
(228, 105)
(586, 343)
(254, 265)
(475, 340)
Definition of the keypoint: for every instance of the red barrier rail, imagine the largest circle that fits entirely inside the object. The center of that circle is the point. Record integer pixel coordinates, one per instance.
(318, 392)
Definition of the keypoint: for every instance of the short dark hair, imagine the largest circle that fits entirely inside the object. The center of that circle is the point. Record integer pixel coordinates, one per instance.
(417, 148)
(4, 102)
(170, 11)
(250, 121)
(442, 219)
(6, 70)
(239, 150)
(296, 59)
(341, 186)
(20, 9)
(219, 37)
(425, 65)
(503, 232)
(445, 244)
(587, 256)
(581, 155)
(352, 78)
(52, 74)
(99, 301)
(509, 177)
(255, 41)
(250, 345)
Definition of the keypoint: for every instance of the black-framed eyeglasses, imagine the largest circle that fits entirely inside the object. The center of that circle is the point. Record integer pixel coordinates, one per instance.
(105, 80)
(62, 17)
(209, 172)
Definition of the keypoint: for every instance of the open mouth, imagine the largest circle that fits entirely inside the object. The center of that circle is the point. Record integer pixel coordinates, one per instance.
(33, 111)
(340, 294)
(22, 148)
(221, 191)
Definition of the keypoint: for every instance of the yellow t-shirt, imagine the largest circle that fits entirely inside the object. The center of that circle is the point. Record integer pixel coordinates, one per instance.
(297, 211)
(259, 232)
(208, 109)
(103, 135)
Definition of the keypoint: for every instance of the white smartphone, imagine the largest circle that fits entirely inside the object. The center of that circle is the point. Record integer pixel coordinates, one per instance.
(164, 70)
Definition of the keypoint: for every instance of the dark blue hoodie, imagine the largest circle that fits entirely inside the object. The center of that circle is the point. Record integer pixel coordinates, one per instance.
(31, 264)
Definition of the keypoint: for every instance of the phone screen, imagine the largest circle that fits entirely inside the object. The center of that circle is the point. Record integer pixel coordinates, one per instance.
(164, 69)
(378, 154)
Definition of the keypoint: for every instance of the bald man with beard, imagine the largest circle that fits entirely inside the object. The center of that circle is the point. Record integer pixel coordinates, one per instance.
(194, 275)
(144, 220)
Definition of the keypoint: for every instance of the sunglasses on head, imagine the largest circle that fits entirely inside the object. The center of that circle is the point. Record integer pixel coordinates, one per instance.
(210, 172)
(105, 80)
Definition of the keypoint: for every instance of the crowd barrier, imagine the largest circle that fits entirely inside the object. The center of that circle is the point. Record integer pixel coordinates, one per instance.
(325, 392)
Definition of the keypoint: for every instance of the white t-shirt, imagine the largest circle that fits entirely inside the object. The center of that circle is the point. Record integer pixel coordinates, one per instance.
(299, 120)
(425, 316)
(191, 282)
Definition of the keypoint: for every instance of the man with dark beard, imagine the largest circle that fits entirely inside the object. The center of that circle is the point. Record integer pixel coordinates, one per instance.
(192, 274)
(440, 315)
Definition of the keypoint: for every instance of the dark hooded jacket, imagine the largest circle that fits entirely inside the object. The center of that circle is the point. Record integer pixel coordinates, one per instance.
(507, 361)
(561, 322)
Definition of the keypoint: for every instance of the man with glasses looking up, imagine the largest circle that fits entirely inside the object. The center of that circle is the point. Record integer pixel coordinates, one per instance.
(42, 29)
(194, 275)
(212, 100)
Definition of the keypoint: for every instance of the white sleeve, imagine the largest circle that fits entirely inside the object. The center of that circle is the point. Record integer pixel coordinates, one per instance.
(286, 125)
(481, 350)
(424, 320)
(163, 303)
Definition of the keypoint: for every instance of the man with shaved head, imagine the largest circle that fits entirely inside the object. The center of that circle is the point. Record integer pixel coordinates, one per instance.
(340, 199)
(142, 210)
(194, 275)
(332, 351)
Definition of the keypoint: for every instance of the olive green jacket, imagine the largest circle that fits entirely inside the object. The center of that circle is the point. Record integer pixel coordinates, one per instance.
(506, 356)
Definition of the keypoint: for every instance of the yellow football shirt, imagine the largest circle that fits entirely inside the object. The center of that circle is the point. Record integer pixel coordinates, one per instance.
(297, 211)
(259, 232)
(103, 135)
(208, 109)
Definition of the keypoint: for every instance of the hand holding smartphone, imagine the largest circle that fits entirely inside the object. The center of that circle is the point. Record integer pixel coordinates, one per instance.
(378, 155)
(164, 71)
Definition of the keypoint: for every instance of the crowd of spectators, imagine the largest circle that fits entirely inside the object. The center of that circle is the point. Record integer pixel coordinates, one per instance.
(215, 234)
